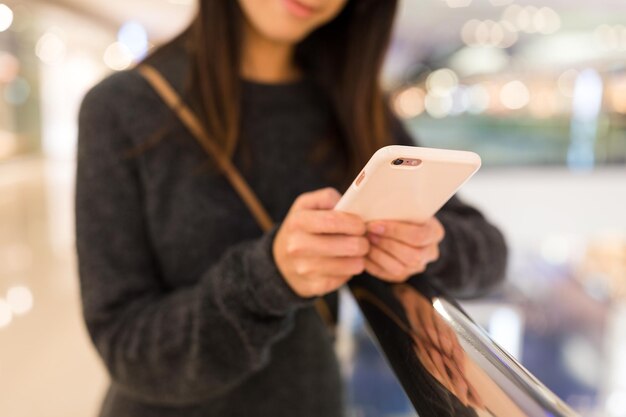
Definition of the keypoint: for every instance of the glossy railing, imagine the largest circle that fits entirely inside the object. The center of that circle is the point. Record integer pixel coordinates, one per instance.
(446, 363)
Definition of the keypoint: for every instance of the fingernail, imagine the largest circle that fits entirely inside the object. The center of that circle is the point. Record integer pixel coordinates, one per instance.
(378, 228)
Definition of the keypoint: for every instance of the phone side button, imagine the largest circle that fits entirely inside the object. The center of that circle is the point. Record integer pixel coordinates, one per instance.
(360, 178)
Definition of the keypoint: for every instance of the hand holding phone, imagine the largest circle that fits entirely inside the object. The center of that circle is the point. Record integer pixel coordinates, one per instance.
(399, 249)
(318, 249)
(397, 194)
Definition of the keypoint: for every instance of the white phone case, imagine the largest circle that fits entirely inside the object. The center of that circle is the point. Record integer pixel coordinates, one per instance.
(384, 191)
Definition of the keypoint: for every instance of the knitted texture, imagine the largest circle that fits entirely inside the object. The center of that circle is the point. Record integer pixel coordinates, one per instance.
(181, 295)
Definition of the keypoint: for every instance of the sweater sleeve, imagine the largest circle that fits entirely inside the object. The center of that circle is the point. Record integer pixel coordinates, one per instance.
(160, 345)
(473, 254)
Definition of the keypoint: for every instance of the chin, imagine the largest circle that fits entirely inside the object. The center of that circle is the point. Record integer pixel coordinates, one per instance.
(285, 33)
(288, 21)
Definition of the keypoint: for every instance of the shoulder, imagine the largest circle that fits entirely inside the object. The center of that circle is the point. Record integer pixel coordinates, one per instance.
(119, 112)
(111, 98)
(117, 90)
(115, 115)
(102, 131)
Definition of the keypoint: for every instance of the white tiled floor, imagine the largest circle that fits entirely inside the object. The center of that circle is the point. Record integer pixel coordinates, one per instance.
(47, 365)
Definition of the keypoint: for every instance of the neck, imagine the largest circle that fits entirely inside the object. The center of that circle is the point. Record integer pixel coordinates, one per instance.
(265, 60)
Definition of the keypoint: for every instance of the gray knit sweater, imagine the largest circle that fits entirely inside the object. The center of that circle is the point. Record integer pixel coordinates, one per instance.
(180, 291)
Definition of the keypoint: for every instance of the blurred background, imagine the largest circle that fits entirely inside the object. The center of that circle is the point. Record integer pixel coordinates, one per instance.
(536, 87)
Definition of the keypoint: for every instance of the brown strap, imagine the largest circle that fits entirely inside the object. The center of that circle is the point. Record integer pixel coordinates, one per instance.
(189, 119)
(193, 124)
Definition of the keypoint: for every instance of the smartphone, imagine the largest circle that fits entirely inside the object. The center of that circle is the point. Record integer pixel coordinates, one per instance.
(408, 183)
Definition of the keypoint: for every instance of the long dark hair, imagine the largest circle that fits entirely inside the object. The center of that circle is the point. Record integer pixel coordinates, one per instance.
(344, 57)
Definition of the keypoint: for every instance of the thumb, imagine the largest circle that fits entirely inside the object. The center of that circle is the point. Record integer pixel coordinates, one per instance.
(323, 199)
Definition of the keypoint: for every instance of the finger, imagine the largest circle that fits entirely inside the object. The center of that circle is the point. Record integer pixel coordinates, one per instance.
(437, 359)
(323, 267)
(413, 234)
(430, 330)
(407, 255)
(337, 282)
(412, 257)
(474, 397)
(380, 273)
(460, 386)
(329, 222)
(429, 254)
(426, 362)
(426, 323)
(448, 338)
(323, 199)
(376, 270)
(394, 270)
(458, 354)
(325, 284)
(443, 333)
(312, 245)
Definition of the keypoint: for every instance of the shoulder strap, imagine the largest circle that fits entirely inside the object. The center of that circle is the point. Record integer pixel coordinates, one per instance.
(195, 127)
(193, 124)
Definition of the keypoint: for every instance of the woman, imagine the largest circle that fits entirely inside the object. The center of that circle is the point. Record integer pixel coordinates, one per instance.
(194, 311)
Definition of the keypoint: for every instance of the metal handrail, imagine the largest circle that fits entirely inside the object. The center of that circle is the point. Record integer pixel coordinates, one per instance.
(446, 363)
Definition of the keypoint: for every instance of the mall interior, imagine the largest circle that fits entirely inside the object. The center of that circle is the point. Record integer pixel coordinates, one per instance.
(536, 87)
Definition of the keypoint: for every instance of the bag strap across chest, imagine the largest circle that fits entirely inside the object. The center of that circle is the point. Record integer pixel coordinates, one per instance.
(191, 121)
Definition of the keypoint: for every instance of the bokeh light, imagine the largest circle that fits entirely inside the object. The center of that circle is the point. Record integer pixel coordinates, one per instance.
(6, 17)
(409, 102)
(442, 82)
(51, 48)
(17, 92)
(474, 61)
(134, 36)
(514, 95)
(611, 37)
(477, 33)
(460, 101)
(438, 107)
(478, 99)
(531, 19)
(118, 56)
(546, 21)
(20, 299)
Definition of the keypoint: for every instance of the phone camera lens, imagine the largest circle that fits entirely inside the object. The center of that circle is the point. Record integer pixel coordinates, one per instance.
(398, 161)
